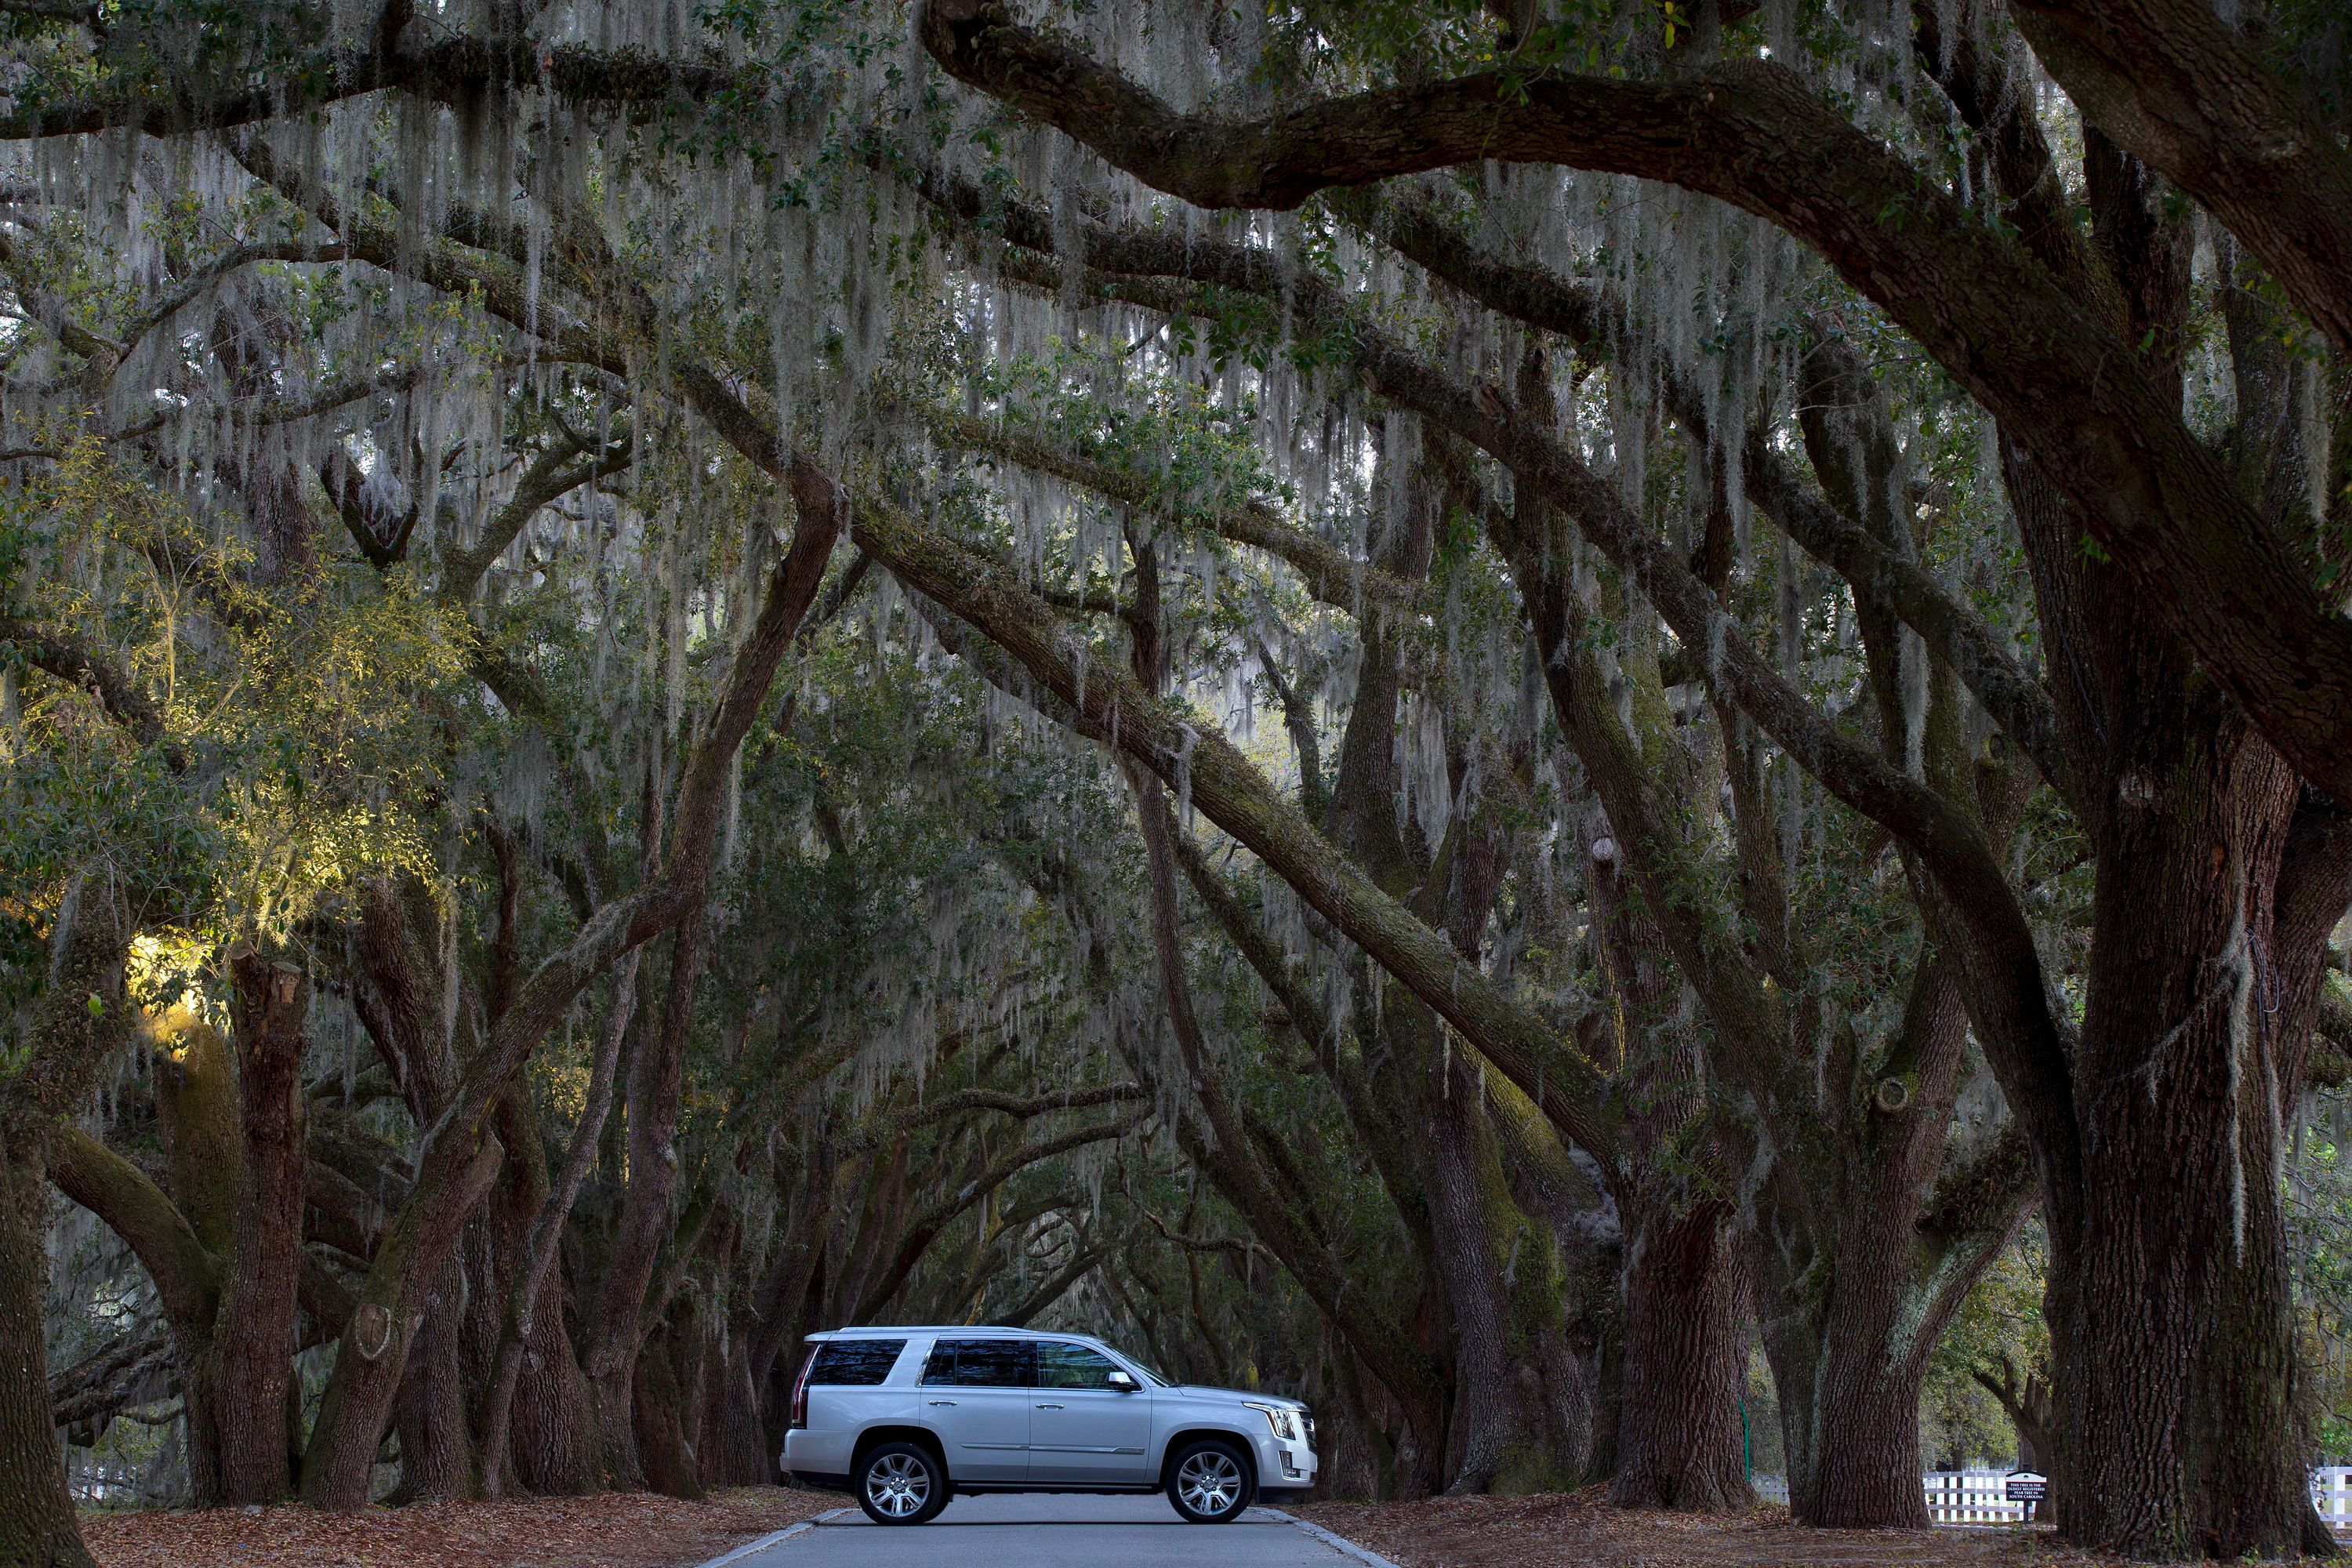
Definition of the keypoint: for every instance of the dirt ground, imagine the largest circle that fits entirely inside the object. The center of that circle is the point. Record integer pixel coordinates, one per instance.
(632, 1531)
(1580, 1530)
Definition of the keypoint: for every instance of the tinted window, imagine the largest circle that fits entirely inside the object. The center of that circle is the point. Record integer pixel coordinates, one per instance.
(857, 1364)
(1072, 1366)
(979, 1363)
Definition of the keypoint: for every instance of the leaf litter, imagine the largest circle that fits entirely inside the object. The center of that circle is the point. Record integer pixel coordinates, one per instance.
(1581, 1529)
(616, 1529)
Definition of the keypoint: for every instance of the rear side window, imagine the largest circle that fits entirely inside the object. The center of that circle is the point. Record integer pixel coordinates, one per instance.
(980, 1363)
(853, 1363)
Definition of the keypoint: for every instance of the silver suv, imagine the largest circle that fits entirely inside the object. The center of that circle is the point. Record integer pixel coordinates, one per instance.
(906, 1417)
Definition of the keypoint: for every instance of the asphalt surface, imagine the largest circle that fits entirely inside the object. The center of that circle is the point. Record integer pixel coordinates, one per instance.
(1045, 1531)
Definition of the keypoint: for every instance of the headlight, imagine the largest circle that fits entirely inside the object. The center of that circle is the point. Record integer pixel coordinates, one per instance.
(1281, 1418)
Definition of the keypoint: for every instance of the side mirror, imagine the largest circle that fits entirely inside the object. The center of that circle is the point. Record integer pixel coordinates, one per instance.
(1122, 1382)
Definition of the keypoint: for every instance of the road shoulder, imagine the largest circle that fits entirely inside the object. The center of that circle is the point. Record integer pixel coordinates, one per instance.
(1336, 1542)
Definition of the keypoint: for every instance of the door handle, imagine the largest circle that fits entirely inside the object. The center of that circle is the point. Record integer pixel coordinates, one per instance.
(938, 1402)
(1049, 1407)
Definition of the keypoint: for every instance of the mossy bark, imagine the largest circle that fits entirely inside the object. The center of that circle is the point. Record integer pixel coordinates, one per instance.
(37, 1529)
(80, 1021)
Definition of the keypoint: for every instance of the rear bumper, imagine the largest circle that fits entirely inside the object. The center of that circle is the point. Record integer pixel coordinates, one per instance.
(818, 1458)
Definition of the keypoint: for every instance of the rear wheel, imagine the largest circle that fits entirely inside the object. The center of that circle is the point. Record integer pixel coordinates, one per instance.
(902, 1483)
(1209, 1482)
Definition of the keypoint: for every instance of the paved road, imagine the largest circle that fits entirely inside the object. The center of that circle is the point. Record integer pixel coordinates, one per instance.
(1050, 1531)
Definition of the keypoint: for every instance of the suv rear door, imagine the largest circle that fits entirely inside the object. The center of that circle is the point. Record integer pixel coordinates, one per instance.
(976, 1395)
(1081, 1430)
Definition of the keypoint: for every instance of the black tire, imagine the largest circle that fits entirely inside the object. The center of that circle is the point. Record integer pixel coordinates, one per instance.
(1209, 1482)
(902, 1483)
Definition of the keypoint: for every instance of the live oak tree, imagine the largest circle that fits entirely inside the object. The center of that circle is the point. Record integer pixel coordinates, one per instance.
(618, 551)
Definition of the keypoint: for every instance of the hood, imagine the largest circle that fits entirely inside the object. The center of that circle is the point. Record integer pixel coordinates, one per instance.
(1239, 1396)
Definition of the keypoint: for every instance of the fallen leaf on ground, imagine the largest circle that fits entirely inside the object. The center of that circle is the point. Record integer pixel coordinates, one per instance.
(1581, 1529)
(616, 1529)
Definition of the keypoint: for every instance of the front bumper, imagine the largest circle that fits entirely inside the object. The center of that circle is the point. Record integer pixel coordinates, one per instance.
(1284, 1467)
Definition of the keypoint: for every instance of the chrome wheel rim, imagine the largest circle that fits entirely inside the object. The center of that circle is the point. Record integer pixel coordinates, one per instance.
(1209, 1482)
(899, 1485)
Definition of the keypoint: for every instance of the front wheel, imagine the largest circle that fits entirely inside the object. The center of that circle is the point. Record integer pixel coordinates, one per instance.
(900, 1483)
(1209, 1482)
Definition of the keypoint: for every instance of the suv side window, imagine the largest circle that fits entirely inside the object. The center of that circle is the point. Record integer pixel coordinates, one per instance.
(853, 1363)
(981, 1364)
(1064, 1365)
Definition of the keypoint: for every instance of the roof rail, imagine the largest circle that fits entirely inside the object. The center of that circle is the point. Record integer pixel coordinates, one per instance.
(935, 1328)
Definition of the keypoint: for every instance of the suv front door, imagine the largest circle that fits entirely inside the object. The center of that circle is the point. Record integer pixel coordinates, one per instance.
(1082, 1431)
(976, 1397)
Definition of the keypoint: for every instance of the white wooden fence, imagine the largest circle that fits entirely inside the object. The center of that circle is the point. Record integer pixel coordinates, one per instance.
(1954, 1496)
(1980, 1497)
(2331, 1494)
(1970, 1497)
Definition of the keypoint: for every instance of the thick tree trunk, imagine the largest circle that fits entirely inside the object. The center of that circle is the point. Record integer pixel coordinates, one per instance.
(1848, 1329)
(659, 1415)
(1686, 1282)
(437, 1449)
(199, 1415)
(1571, 1300)
(532, 1359)
(1849, 1362)
(693, 1348)
(781, 1299)
(656, 1077)
(339, 1461)
(253, 1339)
(732, 1447)
(82, 1019)
(2169, 1303)
(1849, 1423)
(36, 1514)
(553, 1436)
(486, 1253)
(181, 1238)
(1480, 1430)
(1522, 1409)
(1679, 1425)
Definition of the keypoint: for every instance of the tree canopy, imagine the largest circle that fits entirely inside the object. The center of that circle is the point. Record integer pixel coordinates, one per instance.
(1521, 718)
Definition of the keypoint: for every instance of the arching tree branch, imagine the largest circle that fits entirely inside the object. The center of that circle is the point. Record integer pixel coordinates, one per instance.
(2168, 81)
(1751, 133)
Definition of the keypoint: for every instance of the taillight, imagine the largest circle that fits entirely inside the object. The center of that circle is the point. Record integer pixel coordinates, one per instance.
(800, 1395)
